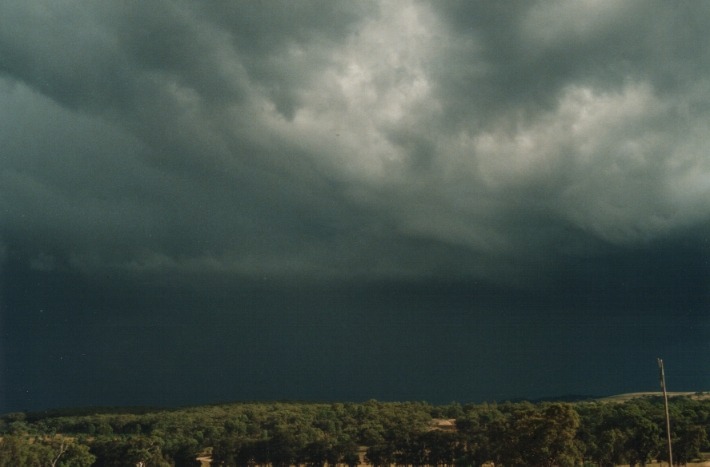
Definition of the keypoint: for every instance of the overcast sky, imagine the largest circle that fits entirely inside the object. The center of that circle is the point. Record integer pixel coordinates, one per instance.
(345, 200)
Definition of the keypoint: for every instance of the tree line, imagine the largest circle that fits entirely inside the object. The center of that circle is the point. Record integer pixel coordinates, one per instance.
(284, 434)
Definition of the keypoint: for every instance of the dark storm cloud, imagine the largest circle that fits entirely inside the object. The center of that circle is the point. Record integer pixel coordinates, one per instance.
(188, 97)
(526, 52)
(439, 148)
(311, 128)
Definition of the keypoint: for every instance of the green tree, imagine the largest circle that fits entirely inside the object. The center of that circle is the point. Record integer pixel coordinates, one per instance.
(381, 454)
(137, 450)
(76, 455)
(16, 450)
(644, 437)
(688, 441)
(441, 447)
(479, 427)
(611, 447)
(542, 436)
(350, 453)
(317, 452)
(182, 451)
(283, 447)
(55, 451)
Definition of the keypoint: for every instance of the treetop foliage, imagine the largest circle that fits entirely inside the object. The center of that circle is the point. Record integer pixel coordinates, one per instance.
(380, 433)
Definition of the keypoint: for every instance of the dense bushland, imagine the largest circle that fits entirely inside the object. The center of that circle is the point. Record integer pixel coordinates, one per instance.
(384, 433)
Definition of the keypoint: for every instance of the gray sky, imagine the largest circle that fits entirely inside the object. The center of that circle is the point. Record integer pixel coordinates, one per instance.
(407, 200)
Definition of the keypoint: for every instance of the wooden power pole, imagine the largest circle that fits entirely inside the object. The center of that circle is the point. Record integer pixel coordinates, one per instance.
(668, 417)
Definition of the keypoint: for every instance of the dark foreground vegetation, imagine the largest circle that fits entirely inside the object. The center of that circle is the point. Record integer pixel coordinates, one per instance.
(379, 433)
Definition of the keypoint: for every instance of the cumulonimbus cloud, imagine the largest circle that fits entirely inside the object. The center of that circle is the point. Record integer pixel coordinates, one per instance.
(391, 139)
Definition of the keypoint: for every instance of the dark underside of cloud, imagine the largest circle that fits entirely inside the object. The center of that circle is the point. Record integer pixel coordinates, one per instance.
(346, 200)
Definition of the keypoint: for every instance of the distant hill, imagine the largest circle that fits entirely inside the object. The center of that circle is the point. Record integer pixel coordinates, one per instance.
(89, 411)
(702, 395)
(563, 398)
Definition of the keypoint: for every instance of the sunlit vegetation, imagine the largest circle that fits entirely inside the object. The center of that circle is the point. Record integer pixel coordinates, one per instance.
(347, 434)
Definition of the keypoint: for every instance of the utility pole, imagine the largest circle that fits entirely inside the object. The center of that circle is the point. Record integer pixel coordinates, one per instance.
(668, 417)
